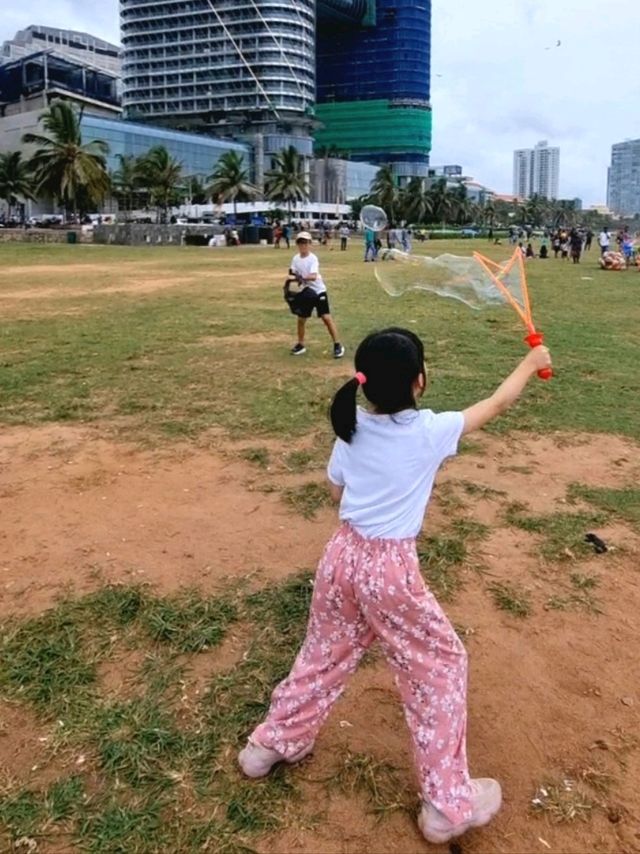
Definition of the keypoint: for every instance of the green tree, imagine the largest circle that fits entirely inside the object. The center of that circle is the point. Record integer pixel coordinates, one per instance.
(443, 205)
(198, 193)
(70, 171)
(286, 182)
(415, 202)
(563, 212)
(536, 210)
(385, 191)
(16, 180)
(126, 180)
(230, 181)
(161, 175)
(461, 208)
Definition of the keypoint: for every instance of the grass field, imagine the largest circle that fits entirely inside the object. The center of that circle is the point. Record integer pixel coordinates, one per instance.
(178, 341)
(135, 658)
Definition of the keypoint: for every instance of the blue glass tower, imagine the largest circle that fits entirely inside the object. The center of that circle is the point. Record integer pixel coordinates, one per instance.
(374, 81)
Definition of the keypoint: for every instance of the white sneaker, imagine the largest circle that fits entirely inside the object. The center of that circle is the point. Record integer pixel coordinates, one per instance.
(256, 761)
(486, 799)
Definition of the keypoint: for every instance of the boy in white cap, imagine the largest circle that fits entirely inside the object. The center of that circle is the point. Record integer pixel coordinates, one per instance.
(305, 269)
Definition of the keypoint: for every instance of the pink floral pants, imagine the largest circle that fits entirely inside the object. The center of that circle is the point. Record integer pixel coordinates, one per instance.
(367, 590)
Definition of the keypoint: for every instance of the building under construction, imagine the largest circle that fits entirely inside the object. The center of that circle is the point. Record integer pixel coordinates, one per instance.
(353, 73)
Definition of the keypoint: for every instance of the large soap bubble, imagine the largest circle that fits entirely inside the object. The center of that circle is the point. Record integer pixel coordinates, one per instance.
(374, 218)
(460, 278)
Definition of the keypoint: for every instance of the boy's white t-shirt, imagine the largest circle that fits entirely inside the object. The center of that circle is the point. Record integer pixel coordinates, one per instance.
(389, 469)
(307, 267)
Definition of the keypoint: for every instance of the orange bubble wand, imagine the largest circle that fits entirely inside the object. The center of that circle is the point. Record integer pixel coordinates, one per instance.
(499, 275)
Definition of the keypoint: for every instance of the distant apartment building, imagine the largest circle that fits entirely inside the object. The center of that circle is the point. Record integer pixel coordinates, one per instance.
(623, 193)
(536, 171)
(522, 170)
(68, 44)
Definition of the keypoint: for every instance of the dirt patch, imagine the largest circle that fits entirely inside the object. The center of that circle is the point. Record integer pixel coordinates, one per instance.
(25, 748)
(546, 692)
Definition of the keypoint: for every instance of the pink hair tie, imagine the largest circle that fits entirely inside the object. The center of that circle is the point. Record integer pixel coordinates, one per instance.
(361, 378)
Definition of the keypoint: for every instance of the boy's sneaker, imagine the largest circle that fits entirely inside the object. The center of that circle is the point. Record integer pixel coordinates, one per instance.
(298, 350)
(338, 351)
(256, 761)
(486, 799)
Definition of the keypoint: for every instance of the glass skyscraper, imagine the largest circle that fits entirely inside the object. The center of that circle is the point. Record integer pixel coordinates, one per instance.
(374, 81)
(623, 196)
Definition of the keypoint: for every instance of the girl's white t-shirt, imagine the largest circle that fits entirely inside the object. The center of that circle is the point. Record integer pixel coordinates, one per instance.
(389, 469)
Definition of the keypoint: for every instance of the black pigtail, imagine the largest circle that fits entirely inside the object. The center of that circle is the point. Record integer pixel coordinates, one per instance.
(343, 411)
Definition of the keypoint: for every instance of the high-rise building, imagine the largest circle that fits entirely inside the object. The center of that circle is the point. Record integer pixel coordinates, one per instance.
(374, 81)
(248, 68)
(69, 44)
(536, 172)
(229, 67)
(522, 172)
(623, 194)
(545, 180)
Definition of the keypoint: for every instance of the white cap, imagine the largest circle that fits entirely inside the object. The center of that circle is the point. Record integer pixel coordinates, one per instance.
(304, 235)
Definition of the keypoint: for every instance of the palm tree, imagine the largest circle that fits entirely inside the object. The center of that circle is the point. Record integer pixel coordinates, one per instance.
(536, 209)
(16, 180)
(285, 181)
(126, 180)
(442, 202)
(461, 207)
(385, 192)
(161, 174)
(73, 173)
(488, 213)
(230, 181)
(198, 193)
(415, 202)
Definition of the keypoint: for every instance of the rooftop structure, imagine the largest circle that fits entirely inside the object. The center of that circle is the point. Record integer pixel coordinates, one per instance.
(68, 44)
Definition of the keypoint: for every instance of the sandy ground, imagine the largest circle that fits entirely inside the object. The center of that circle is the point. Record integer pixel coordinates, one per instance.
(550, 696)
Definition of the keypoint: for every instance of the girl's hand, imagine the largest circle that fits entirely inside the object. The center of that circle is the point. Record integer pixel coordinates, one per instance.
(538, 359)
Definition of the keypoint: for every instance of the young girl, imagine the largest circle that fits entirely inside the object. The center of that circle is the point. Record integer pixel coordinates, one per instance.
(368, 586)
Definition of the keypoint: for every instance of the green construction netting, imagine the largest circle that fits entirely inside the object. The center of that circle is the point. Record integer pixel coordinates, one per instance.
(374, 126)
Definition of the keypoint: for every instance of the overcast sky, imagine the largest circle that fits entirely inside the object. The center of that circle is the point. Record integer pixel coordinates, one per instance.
(499, 81)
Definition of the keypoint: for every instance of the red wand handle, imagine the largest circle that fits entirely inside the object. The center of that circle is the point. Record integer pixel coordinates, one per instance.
(536, 339)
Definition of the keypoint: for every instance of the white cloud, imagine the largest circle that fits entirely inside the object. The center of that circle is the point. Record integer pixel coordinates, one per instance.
(98, 17)
(504, 84)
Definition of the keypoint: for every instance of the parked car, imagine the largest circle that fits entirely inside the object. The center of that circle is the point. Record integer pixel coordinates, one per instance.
(469, 232)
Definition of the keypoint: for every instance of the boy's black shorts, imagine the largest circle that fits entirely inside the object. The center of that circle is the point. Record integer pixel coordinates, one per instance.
(305, 302)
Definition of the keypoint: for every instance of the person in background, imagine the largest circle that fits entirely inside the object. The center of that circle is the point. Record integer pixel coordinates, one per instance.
(575, 243)
(370, 245)
(604, 241)
(345, 234)
(286, 233)
(530, 253)
(588, 241)
(544, 249)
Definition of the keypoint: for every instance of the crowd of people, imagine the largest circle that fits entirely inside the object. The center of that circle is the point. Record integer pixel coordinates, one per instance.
(572, 243)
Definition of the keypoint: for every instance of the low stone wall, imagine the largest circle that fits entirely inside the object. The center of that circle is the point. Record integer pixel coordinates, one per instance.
(42, 235)
(132, 234)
